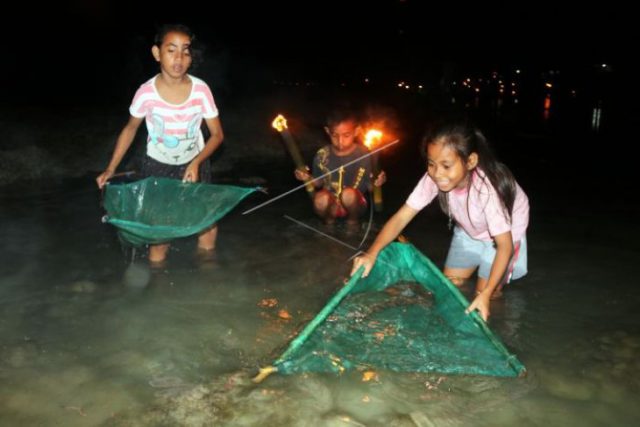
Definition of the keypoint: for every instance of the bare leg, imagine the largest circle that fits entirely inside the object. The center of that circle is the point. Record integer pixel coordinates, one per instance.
(158, 254)
(350, 199)
(458, 275)
(324, 206)
(207, 239)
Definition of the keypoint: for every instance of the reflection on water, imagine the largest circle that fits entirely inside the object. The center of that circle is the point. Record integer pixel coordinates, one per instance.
(595, 116)
(547, 107)
(546, 102)
(89, 339)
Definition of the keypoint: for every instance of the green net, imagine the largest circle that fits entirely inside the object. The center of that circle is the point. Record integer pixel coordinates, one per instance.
(157, 210)
(406, 317)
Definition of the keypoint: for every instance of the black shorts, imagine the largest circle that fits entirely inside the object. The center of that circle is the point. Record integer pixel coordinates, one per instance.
(152, 167)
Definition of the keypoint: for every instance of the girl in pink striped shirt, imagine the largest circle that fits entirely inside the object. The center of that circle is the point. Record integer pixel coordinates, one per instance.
(173, 104)
(490, 210)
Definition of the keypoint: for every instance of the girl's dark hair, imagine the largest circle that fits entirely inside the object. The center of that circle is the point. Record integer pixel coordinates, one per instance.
(465, 138)
(341, 113)
(165, 29)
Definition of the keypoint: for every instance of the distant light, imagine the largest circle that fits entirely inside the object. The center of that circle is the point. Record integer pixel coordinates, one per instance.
(407, 87)
(477, 90)
(549, 85)
(366, 79)
(518, 71)
(419, 86)
(604, 65)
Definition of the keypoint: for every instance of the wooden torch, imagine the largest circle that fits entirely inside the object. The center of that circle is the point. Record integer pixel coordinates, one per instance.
(371, 139)
(280, 124)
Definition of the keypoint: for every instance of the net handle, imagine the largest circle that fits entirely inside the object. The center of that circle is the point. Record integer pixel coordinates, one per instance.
(320, 317)
(517, 366)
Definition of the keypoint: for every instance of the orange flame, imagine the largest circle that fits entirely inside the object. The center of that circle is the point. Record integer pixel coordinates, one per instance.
(279, 123)
(372, 137)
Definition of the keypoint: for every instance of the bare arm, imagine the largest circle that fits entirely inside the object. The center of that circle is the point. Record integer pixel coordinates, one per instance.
(504, 252)
(123, 143)
(191, 174)
(389, 232)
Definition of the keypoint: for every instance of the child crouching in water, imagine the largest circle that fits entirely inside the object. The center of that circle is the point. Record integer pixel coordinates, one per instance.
(479, 194)
(340, 194)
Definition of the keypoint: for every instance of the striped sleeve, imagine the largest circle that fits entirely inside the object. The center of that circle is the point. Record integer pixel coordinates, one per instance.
(204, 95)
(138, 107)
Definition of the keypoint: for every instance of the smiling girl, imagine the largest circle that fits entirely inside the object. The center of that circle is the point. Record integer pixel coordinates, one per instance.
(490, 210)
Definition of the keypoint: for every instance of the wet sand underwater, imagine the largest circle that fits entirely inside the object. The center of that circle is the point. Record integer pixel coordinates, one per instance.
(90, 339)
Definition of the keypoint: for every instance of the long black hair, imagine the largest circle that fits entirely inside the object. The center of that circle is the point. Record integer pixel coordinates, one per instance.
(465, 138)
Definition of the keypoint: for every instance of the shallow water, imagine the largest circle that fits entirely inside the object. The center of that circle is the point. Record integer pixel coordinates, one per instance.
(90, 339)
(91, 336)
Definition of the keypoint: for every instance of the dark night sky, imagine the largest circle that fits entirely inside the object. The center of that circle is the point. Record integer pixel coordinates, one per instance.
(101, 41)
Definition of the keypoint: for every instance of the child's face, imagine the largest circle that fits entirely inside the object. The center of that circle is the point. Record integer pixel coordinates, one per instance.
(447, 169)
(174, 55)
(343, 137)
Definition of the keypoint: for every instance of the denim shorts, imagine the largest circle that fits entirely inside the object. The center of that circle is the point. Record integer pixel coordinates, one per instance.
(467, 252)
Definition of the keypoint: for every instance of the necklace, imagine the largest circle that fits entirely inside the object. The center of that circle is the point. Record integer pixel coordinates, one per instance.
(450, 225)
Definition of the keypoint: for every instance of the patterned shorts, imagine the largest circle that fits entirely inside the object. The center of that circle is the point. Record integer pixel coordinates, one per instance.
(152, 167)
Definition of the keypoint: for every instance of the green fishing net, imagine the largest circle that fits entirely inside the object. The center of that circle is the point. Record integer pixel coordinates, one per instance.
(405, 317)
(157, 210)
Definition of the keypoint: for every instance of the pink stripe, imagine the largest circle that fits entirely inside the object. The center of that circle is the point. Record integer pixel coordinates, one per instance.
(179, 132)
(512, 263)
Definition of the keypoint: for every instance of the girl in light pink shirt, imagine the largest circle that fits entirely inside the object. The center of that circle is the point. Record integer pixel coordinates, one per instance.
(479, 194)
